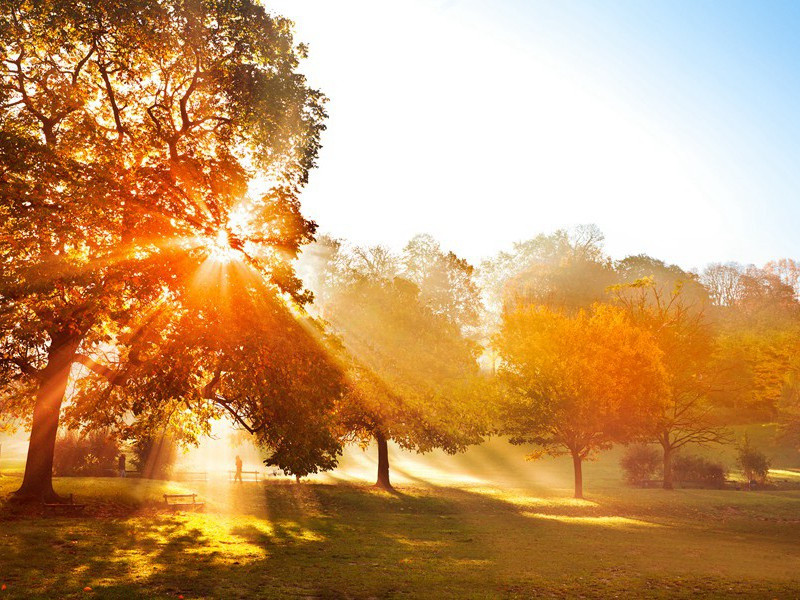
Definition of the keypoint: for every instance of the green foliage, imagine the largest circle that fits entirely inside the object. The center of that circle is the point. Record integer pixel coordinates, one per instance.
(564, 270)
(92, 454)
(753, 463)
(412, 373)
(640, 462)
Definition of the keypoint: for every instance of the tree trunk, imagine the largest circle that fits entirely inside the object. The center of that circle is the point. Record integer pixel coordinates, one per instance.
(383, 462)
(667, 465)
(37, 484)
(578, 467)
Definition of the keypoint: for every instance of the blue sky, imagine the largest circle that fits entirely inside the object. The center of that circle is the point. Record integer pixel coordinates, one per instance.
(671, 125)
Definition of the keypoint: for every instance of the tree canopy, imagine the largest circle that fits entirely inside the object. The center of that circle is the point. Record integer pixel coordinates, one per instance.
(576, 384)
(130, 136)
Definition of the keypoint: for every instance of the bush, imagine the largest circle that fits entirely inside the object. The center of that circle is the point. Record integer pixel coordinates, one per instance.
(640, 462)
(154, 457)
(696, 469)
(753, 463)
(92, 455)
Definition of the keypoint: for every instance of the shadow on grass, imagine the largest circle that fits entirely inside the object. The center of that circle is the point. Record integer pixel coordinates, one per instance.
(349, 541)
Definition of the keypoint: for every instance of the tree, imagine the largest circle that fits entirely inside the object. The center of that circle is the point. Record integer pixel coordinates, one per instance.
(753, 294)
(670, 304)
(576, 384)
(565, 269)
(233, 350)
(789, 405)
(787, 270)
(445, 281)
(724, 283)
(412, 373)
(129, 134)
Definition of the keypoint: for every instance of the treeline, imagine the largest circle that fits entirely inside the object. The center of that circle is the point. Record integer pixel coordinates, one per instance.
(578, 351)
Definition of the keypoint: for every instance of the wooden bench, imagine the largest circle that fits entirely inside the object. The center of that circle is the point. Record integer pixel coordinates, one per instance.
(254, 474)
(181, 502)
(649, 483)
(69, 509)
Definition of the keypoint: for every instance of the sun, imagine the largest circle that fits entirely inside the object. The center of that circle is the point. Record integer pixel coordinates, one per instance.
(219, 247)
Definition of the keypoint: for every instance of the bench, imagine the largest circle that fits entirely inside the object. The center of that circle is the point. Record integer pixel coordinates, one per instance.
(253, 474)
(181, 502)
(649, 483)
(69, 509)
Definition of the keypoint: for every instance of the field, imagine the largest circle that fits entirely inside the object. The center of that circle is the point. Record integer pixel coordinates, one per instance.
(485, 524)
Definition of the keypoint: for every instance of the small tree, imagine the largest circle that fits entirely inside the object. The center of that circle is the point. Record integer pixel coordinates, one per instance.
(753, 463)
(576, 385)
(640, 462)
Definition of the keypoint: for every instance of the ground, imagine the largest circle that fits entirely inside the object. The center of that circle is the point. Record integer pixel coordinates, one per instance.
(481, 525)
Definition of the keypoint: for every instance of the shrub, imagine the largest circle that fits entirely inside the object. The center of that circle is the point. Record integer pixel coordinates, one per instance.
(753, 463)
(91, 455)
(640, 462)
(691, 468)
(155, 456)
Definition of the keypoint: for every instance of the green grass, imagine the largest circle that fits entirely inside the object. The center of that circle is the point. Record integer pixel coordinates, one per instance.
(486, 525)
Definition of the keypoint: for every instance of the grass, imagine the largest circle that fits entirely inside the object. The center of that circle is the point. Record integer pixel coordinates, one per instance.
(504, 529)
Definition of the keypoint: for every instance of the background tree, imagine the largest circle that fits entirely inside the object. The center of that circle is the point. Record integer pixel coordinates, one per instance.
(129, 133)
(673, 311)
(446, 282)
(577, 384)
(412, 372)
(787, 270)
(566, 269)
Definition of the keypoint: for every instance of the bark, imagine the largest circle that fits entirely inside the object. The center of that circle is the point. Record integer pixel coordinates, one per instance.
(37, 484)
(667, 465)
(383, 462)
(578, 468)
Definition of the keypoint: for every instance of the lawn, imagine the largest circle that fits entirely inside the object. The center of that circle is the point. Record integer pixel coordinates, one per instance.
(503, 529)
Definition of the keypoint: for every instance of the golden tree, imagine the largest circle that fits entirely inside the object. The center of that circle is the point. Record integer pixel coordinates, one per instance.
(576, 384)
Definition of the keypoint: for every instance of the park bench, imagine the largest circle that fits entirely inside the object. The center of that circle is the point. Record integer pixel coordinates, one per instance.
(246, 475)
(649, 483)
(181, 502)
(69, 509)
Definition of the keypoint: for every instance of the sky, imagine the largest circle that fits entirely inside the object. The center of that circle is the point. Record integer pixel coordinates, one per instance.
(673, 126)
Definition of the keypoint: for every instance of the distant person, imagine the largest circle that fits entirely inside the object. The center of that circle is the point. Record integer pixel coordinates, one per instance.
(238, 476)
(121, 464)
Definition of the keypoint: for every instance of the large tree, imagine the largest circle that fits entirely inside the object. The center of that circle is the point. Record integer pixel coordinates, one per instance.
(576, 384)
(130, 132)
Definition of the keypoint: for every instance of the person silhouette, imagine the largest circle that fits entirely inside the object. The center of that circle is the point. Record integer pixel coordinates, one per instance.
(121, 465)
(238, 476)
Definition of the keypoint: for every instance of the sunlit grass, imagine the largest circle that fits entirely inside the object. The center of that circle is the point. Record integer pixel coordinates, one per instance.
(281, 539)
(480, 525)
(609, 521)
